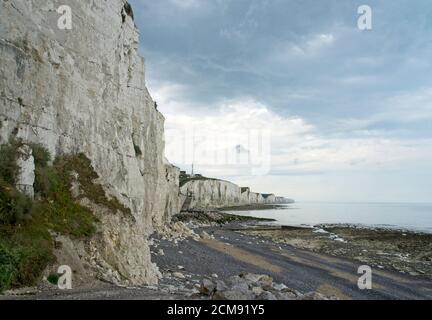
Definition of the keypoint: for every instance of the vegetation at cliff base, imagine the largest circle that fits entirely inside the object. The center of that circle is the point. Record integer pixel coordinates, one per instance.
(26, 225)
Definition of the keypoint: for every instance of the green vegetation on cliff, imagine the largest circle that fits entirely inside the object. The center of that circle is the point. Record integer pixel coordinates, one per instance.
(26, 225)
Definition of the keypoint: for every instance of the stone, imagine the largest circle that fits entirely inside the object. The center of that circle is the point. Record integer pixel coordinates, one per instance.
(291, 292)
(242, 286)
(285, 295)
(279, 286)
(257, 290)
(205, 235)
(313, 296)
(253, 278)
(247, 287)
(266, 282)
(221, 286)
(207, 287)
(233, 295)
(179, 275)
(21, 291)
(266, 295)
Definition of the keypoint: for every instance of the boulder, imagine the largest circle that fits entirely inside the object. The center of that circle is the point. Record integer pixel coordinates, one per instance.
(249, 286)
(179, 275)
(207, 287)
(233, 295)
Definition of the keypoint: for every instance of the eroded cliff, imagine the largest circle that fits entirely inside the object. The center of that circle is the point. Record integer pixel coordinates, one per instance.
(206, 194)
(83, 91)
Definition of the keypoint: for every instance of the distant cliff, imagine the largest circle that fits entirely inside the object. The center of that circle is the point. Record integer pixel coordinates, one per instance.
(205, 193)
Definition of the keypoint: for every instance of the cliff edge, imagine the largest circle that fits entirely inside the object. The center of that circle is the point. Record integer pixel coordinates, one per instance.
(83, 91)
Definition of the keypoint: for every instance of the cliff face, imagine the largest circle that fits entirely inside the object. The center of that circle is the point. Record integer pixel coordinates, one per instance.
(204, 194)
(210, 193)
(83, 90)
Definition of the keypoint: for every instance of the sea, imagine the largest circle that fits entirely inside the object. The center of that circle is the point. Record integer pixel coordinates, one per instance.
(402, 216)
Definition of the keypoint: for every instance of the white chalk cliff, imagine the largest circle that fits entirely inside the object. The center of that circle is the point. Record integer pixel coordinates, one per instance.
(206, 194)
(83, 90)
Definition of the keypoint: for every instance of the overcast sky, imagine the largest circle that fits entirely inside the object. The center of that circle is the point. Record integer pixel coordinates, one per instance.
(348, 112)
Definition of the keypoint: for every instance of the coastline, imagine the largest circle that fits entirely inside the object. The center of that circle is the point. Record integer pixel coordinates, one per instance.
(255, 207)
(400, 250)
(216, 255)
(302, 214)
(403, 251)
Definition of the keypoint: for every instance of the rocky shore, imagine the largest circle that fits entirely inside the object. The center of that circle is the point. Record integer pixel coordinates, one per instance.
(215, 255)
(399, 250)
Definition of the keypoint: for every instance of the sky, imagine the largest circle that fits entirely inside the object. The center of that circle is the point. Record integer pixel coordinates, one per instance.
(291, 97)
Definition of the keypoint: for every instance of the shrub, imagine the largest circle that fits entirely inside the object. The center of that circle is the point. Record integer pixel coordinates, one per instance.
(8, 165)
(25, 251)
(41, 155)
(7, 268)
(62, 211)
(53, 278)
(14, 206)
(26, 245)
(43, 173)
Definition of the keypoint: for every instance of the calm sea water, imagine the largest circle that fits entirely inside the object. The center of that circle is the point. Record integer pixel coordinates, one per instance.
(417, 217)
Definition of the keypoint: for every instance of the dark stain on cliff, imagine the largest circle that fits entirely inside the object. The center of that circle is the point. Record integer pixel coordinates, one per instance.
(127, 10)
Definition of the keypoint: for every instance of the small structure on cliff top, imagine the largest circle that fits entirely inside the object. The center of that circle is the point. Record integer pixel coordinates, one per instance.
(245, 189)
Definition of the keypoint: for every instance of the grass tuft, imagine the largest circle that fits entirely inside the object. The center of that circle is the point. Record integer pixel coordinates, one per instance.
(8, 161)
(81, 165)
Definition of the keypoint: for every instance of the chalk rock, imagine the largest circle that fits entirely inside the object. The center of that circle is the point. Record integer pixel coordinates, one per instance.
(204, 194)
(233, 295)
(313, 296)
(26, 170)
(83, 91)
(179, 275)
(252, 287)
